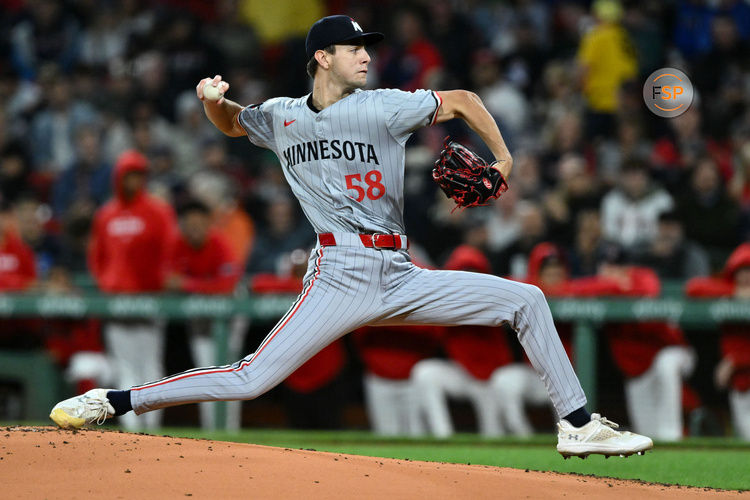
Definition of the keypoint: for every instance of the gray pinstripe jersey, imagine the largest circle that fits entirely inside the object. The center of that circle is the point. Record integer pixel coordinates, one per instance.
(334, 161)
(345, 163)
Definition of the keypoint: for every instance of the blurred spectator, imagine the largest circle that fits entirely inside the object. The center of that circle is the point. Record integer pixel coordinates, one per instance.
(164, 181)
(201, 261)
(413, 61)
(720, 73)
(692, 28)
(733, 371)
(17, 274)
(191, 134)
(643, 23)
(229, 217)
(523, 49)
(513, 260)
(188, 56)
(702, 204)
(106, 39)
(151, 131)
(74, 237)
(283, 233)
(48, 35)
(215, 158)
(18, 99)
(739, 187)
(674, 155)
(504, 222)
(128, 254)
(87, 178)
(589, 247)
(502, 99)
(54, 127)
(564, 135)
(31, 220)
(670, 254)
(455, 37)
(15, 170)
(560, 94)
(614, 152)
(607, 59)
(630, 212)
(527, 177)
(576, 190)
(285, 20)
(17, 266)
(235, 39)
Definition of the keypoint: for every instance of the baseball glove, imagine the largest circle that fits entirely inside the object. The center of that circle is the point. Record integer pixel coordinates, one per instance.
(466, 177)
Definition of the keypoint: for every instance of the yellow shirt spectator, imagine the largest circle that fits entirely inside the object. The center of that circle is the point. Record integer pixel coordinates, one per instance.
(608, 59)
(278, 20)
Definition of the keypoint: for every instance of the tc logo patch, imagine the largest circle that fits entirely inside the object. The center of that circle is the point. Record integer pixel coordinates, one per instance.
(487, 183)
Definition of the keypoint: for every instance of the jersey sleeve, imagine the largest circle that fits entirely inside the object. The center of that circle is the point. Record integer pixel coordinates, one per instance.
(405, 112)
(257, 120)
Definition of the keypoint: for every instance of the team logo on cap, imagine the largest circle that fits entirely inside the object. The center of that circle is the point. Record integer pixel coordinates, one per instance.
(355, 24)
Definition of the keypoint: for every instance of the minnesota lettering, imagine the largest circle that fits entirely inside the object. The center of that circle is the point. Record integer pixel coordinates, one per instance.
(330, 150)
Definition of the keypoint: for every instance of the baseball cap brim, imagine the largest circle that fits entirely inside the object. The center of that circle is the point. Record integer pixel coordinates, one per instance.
(366, 38)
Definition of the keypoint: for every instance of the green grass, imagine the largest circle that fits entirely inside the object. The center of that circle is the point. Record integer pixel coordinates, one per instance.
(702, 462)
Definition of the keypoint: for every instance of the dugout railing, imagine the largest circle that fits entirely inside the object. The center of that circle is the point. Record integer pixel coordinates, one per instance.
(585, 314)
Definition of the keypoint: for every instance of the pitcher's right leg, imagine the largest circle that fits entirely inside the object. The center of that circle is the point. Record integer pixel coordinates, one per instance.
(325, 310)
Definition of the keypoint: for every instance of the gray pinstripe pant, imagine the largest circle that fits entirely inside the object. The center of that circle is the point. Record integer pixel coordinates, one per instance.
(350, 286)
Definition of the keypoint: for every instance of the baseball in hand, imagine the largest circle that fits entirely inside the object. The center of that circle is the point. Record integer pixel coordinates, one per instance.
(211, 93)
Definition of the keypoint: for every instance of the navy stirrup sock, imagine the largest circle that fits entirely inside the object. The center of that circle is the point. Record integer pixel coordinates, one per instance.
(578, 418)
(120, 401)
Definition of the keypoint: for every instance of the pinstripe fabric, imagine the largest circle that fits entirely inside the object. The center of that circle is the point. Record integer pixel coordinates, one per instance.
(350, 286)
(376, 123)
(347, 285)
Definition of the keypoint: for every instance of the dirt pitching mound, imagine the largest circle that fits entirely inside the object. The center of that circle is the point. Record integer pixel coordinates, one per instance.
(44, 462)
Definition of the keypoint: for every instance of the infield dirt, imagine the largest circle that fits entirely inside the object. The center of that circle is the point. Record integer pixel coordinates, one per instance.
(44, 462)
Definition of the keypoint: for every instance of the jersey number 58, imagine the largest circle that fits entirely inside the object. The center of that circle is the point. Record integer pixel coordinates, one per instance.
(375, 189)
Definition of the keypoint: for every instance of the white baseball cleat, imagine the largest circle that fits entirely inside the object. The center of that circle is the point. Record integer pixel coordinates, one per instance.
(74, 413)
(599, 437)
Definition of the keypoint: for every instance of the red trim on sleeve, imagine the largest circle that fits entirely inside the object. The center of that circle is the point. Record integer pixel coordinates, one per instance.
(439, 104)
(237, 119)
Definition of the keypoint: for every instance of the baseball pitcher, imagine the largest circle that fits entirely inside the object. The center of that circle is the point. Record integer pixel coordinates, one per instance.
(341, 149)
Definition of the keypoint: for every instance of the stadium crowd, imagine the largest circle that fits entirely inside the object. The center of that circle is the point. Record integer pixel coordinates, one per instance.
(597, 176)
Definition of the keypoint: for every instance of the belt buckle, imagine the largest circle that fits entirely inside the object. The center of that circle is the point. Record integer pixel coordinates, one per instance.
(383, 247)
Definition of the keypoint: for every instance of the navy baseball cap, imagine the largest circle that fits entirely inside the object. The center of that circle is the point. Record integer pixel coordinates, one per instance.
(334, 30)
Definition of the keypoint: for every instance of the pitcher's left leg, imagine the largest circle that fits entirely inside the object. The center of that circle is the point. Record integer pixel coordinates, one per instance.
(460, 298)
(463, 298)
